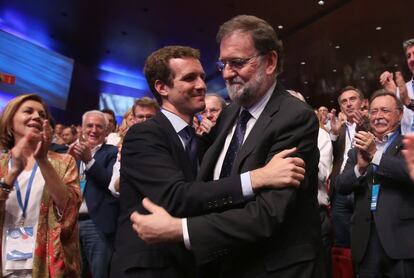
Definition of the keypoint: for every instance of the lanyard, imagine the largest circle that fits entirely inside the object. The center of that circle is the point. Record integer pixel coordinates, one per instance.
(22, 206)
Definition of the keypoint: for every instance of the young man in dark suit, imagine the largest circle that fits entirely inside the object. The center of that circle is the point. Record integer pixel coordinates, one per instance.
(159, 161)
(383, 222)
(277, 234)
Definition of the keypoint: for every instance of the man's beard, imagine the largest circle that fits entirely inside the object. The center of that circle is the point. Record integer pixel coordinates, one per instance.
(246, 93)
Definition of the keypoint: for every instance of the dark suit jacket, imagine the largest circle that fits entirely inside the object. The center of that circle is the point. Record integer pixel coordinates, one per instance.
(102, 206)
(281, 228)
(154, 165)
(394, 217)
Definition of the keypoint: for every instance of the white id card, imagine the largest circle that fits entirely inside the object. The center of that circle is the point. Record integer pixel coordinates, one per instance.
(19, 247)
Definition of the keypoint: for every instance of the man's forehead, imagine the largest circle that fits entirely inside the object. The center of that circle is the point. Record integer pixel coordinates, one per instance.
(410, 48)
(382, 101)
(235, 42)
(349, 93)
(94, 119)
(141, 108)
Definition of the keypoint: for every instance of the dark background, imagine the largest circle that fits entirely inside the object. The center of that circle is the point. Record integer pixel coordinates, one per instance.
(337, 41)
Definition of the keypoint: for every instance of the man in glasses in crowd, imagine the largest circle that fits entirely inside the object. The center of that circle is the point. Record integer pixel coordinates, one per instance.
(278, 233)
(144, 108)
(214, 105)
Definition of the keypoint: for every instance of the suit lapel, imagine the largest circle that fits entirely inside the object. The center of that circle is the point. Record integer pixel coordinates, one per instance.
(172, 135)
(225, 124)
(395, 146)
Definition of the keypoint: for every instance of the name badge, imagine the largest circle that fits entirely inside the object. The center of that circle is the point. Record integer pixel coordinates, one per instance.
(19, 247)
(374, 196)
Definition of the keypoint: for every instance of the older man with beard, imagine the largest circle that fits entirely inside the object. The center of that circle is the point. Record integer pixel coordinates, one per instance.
(383, 224)
(278, 233)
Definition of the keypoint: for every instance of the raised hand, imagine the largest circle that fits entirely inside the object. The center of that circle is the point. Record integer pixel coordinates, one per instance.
(408, 153)
(81, 150)
(335, 123)
(365, 144)
(399, 79)
(387, 82)
(205, 126)
(44, 141)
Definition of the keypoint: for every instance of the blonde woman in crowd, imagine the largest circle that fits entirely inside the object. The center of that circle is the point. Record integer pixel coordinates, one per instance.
(39, 196)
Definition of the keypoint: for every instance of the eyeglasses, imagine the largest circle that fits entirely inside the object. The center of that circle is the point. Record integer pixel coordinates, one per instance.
(235, 64)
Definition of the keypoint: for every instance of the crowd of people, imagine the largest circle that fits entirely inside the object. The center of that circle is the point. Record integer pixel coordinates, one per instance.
(188, 185)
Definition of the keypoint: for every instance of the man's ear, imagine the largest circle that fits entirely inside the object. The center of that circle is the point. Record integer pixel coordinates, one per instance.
(272, 59)
(161, 88)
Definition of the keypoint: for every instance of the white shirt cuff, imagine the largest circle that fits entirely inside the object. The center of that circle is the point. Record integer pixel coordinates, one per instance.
(89, 164)
(246, 184)
(357, 173)
(186, 236)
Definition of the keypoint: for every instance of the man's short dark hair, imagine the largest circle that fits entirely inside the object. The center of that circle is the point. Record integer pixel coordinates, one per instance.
(110, 112)
(145, 102)
(264, 36)
(157, 65)
(72, 129)
(350, 88)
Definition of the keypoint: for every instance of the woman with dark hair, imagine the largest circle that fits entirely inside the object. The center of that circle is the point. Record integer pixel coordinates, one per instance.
(39, 196)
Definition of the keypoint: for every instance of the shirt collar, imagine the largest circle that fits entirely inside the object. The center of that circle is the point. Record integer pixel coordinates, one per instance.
(350, 124)
(177, 123)
(385, 138)
(258, 108)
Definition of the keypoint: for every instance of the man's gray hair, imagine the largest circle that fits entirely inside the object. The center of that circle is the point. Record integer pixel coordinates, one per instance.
(220, 99)
(95, 112)
(408, 43)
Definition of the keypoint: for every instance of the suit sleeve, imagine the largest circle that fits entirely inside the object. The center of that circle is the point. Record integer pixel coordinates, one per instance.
(347, 181)
(264, 218)
(152, 166)
(395, 169)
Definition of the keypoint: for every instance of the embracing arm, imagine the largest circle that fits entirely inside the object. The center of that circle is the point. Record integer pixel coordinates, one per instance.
(150, 166)
(267, 216)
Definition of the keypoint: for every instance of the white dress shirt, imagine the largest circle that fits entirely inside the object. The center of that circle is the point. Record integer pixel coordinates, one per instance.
(407, 119)
(324, 166)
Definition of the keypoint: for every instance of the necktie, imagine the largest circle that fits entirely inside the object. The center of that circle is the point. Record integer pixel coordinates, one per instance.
(190, 143)
(235, 144)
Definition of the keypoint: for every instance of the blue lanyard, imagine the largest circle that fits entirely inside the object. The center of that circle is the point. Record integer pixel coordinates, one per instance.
(29, 188)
